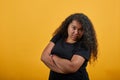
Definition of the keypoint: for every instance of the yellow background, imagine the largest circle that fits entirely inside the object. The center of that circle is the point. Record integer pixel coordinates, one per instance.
(26, 27)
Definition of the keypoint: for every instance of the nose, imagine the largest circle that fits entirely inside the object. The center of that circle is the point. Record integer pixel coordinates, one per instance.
(76, 32)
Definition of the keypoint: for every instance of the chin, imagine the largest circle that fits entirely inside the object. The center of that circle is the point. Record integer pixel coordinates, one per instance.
(74, 39)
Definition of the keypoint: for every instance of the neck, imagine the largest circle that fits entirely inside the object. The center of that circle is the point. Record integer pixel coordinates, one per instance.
(70, 41)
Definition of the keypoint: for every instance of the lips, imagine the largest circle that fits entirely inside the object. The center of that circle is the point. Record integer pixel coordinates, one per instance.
(74, 36)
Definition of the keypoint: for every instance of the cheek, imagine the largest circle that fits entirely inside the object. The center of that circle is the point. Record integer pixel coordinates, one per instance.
(80, 35)
(70, 31)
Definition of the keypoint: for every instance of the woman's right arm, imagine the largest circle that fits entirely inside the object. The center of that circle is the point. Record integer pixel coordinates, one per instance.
(46, 58)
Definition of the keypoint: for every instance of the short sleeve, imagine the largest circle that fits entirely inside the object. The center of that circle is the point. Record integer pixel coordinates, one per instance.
(83, 52)
(55, 38)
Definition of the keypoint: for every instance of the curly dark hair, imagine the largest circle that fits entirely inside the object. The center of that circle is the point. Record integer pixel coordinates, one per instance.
(89, 36)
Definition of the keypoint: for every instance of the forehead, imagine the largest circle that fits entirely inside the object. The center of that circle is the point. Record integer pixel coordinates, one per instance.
(76, 24)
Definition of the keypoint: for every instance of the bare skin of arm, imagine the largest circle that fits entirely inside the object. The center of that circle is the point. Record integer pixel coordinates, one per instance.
(69, 66)
(48, 60)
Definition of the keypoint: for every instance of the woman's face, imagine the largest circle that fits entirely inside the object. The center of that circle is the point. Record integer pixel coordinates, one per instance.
(75, 31)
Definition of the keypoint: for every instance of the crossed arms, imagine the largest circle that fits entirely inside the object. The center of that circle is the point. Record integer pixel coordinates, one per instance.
(58, 64)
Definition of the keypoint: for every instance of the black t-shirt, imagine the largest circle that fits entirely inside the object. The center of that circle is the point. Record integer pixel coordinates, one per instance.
(67, 50)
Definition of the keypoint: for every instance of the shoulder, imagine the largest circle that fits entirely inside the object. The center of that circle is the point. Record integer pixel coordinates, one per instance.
(55, 38)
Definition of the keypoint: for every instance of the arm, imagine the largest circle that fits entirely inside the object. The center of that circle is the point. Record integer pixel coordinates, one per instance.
(47, 59)
(69, 66)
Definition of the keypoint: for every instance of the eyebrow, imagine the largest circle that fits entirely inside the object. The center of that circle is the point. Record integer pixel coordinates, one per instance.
(73, 25)
(76, 26)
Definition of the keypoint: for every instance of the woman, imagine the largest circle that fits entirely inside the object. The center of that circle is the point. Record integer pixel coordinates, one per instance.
(74, 44)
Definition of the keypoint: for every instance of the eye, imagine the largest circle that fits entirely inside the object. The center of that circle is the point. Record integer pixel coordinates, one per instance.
(74, 28)
(80, 30)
